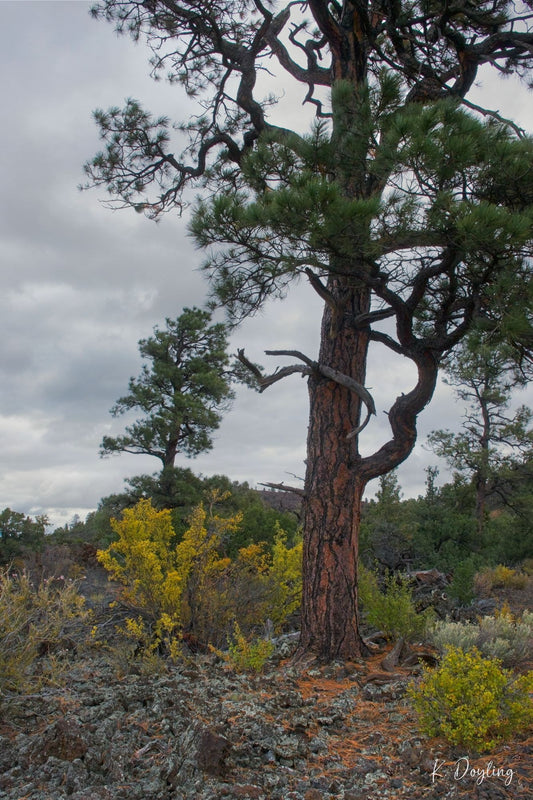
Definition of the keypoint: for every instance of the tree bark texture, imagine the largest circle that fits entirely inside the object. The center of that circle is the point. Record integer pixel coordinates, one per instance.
(334, 488)
(337, 474)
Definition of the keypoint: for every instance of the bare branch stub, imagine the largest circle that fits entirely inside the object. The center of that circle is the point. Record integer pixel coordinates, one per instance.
(282, 487)
(308, 368)
(265, 381)
(320, 289)
(294, 354)
(249, 365)
(284, 372)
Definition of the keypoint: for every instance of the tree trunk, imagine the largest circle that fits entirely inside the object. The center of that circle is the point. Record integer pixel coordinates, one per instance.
(481, 479)
(337, 475)
(167, 478)
(334, 487)
(481, 506)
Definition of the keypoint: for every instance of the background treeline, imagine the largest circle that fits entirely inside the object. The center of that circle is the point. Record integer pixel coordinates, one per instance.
(21, 535)
(438, 529)
(441, 528)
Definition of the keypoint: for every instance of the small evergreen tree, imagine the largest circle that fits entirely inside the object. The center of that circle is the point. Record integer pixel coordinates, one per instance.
(493, 440)
(181, 393)
(20, 533)
(443, 524)
(385, 534)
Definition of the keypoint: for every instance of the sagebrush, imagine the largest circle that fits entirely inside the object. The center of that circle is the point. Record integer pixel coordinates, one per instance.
(34, 620)
(504, 636)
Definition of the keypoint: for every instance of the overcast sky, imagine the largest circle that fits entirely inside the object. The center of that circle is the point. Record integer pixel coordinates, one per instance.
(80, 285)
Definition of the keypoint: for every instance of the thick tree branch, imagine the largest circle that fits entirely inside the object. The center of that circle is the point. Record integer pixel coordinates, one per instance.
(311, 75)
(388, 341)
(402, 419)
(349, 383)
(362, 321)
(321, 289)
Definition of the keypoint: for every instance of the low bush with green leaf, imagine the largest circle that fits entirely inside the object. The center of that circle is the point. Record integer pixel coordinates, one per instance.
(472, 701)
(245, 654)
(392, 609)
(502, 636)
(34, 622)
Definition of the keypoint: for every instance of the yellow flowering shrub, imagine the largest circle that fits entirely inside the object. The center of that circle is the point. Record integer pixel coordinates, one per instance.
(246, 655)
(198, 554)
(203, 569)
(145, 647)
(499, 577)
(262, 586)
(472, 701)
(285, 578)
(171, 584)
(253, 559)
(193, 586)
(141, 560)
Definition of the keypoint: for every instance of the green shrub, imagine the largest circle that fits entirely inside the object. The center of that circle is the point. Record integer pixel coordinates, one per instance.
(32, 626)
(391, 610)
(462, 584)
(248, 656)
(472, 701)
(503, 636)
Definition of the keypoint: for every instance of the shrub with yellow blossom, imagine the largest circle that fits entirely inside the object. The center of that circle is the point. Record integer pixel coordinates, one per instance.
(193, 585)
(33, 619)
(472, 701)
(285, 578)
(246, 655)
(142, 559)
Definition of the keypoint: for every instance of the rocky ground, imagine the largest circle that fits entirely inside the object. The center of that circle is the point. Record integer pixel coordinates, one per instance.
(201, 732)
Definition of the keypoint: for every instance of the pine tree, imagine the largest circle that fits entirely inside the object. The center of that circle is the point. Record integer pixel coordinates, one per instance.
(407, 208)
(181, 394)
(494, 441)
